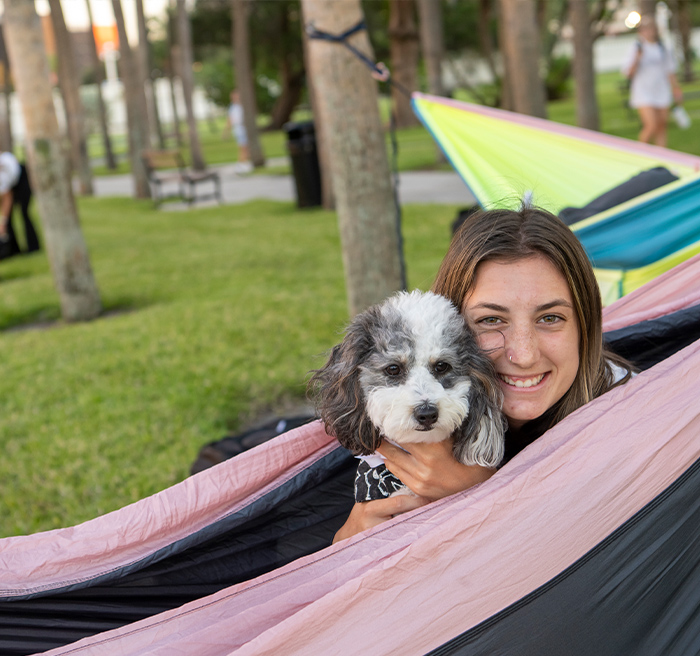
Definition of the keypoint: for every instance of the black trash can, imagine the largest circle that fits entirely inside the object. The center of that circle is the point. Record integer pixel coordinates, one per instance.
(301, 143)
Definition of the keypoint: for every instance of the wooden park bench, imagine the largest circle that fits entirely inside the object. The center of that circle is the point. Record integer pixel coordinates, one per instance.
(169, 177)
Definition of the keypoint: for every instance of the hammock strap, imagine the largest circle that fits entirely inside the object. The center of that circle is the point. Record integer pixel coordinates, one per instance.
(379, 69)
(382, 73)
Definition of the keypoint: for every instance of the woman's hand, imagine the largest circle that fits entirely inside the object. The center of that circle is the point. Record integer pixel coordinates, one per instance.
(371, 513)
(430, 470)
(678, 95)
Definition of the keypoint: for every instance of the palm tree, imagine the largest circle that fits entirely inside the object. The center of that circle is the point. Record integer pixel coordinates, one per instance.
(101, 107)
(347, 105)
(171, 69)
(245, 80)
(136, 113)
(48, 164)
(6, 141)
(521, 49)
(587, 114)
(144, 56)
(685, 29)
(432, 43)
(403, 36)
(184, 38)
(70, 91)
(647, 8)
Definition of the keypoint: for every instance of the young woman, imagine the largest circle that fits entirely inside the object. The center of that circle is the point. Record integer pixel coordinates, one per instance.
(651, 68)
(524, 284)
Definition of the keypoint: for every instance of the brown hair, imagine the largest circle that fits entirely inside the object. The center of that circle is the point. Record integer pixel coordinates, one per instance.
(514, 235)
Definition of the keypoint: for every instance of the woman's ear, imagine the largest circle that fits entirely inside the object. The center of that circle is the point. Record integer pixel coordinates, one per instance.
(337, 393)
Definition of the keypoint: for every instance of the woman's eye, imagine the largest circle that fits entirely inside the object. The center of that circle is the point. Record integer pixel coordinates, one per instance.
(489, 321)
(441, 367)
(392, 370)
(550, 318)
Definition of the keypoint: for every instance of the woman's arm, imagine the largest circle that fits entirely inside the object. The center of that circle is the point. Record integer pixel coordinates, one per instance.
(369, 514)
(629, 69)
(677, 91)
(5, 210)
(430, 470)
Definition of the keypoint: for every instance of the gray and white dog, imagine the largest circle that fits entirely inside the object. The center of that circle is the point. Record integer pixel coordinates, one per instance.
(409, 370)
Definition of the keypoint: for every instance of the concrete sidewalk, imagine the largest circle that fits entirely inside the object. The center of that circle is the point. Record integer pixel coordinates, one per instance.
(434, 187)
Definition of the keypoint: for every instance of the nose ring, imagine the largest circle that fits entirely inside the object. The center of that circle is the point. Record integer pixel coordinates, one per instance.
(510, 357)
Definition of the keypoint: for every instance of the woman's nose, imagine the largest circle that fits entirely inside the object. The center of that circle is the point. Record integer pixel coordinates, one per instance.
(521, 347)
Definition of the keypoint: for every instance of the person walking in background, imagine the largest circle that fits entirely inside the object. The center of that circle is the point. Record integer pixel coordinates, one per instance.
(651, 67)
(14, 190)
(234, 123)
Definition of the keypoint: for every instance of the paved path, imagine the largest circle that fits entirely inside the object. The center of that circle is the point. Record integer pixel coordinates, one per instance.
(443, 187)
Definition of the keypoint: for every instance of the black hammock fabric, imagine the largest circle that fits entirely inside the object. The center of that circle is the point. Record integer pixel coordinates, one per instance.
(636, 593)
(649, 342)
(296, 519)
(640, 184)
(301, 517)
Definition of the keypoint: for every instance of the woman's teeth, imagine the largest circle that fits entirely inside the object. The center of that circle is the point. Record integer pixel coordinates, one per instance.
(528, 382)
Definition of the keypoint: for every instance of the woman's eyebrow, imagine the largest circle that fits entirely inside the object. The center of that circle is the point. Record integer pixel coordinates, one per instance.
(555, 303)
(488, 306)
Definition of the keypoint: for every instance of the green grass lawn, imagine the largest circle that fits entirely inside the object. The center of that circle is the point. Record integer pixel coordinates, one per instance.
(214, 317)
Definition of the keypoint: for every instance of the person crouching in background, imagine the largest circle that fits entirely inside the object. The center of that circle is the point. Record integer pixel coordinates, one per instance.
(14, 190)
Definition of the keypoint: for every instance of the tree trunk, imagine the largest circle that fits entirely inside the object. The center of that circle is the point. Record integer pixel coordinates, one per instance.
(485, 40)
(322, 139)
(647, 8)
(347, 103)
(184, 38)
(292, 86)
(171, 71)
(245, 81)
(433, 47)
(144, 57)
(176, 114)
(6, 140)
(685, 28)
(291, 73)
(110, 161)
(136, 115)
(48, 165)
(403, 36)
(73, 105)
(432, 43)
(506, 88)
(587, 114)
(522, 52)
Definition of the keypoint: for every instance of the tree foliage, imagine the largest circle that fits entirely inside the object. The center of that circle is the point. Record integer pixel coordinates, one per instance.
(276, 30)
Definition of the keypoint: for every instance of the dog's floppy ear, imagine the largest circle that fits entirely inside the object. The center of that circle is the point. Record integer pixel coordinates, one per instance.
(480, 440)
(336, 392)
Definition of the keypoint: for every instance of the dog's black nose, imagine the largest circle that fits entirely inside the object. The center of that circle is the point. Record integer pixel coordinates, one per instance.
(426, 414)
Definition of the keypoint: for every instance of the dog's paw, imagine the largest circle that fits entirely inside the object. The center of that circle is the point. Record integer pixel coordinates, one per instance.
(403, 490)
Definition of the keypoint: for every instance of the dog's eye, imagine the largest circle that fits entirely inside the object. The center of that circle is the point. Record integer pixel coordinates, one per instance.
(441, 367)
(392, 370)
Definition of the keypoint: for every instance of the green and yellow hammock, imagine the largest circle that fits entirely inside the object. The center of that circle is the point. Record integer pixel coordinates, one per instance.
(504, 157)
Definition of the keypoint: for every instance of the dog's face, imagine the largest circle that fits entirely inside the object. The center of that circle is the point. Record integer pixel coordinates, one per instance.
(416, 380)
(410, 370)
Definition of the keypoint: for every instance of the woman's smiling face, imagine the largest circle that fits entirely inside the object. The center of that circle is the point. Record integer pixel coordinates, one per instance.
(524, 315)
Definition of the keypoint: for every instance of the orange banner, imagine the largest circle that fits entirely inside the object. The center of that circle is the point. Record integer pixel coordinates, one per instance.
(106, 37)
